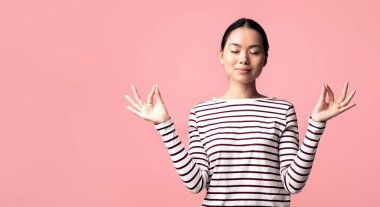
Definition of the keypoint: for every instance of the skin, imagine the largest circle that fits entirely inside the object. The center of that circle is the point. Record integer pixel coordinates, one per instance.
(243, 49)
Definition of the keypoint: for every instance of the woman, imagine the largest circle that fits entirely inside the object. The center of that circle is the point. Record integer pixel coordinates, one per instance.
(243, 146)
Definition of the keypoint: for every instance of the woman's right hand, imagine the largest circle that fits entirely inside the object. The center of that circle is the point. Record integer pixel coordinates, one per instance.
(156, 113)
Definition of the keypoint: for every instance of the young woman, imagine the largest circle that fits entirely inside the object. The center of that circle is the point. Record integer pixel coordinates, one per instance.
(243, 146)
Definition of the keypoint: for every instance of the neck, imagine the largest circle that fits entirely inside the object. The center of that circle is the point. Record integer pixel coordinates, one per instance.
(242, 90)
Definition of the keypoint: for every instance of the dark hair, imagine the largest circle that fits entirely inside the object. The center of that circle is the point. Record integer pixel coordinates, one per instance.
(243, 22)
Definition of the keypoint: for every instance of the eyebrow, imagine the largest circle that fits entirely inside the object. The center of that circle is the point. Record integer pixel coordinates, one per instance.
(235, 44)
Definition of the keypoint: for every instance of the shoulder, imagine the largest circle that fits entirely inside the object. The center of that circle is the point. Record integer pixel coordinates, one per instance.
(286, 103)
(198, 107)
(203, 104)
(280, 105)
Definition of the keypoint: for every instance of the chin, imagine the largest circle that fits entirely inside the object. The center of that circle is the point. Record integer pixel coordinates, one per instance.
(245, 80)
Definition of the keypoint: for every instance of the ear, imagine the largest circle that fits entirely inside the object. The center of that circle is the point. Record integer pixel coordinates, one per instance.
(266, 60)
(221, 57)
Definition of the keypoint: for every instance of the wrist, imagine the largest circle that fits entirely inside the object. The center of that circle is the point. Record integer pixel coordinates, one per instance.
(162, 120)
(316, 119)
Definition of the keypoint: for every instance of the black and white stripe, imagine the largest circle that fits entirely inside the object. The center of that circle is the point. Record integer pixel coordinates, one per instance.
(245, 152)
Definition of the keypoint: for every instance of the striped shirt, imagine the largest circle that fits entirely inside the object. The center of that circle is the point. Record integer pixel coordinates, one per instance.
(245, 152)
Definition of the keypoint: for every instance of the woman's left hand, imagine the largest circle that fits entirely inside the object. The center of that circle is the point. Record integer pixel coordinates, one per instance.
(324, 111)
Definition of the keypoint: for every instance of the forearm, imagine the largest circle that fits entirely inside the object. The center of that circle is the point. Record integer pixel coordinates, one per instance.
(296, 173)
(191, 173)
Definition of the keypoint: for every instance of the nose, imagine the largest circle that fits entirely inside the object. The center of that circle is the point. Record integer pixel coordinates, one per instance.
(243, 58)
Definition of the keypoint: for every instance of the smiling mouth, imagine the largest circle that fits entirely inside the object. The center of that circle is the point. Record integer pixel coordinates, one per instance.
(243, 69)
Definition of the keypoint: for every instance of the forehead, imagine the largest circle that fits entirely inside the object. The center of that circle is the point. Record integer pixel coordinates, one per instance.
(244, 36)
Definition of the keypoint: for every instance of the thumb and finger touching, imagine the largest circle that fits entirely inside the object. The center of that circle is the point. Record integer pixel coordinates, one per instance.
(150, 96)
(322, 98)
(138, 104)
(158, 96)
(330, 92)
(343, 99)
(326, 90)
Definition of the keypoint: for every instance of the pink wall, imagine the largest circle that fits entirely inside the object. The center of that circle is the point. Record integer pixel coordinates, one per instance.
(66, 138)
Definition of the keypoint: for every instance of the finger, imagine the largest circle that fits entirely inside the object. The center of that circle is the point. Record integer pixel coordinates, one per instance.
(330, 92)
(158, 96)
(137, 96)
(344, 92)
(347, 101)
(322, 98)
(137, 113)
(132, 102)
(343, 109)
(149, 100)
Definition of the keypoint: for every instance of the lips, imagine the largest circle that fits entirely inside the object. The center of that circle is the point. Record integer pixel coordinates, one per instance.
(243, 69)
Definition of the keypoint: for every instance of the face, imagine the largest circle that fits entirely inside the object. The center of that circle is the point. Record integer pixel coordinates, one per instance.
(243, 55)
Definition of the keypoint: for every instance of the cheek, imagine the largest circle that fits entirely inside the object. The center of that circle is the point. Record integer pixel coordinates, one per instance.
(229, 60)
(259, 60)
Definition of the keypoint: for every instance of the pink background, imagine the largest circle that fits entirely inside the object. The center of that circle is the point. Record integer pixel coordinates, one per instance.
(66, 138)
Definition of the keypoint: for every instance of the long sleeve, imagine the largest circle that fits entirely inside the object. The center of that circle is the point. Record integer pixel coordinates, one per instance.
(192, 166)
(295, 162)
